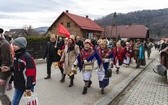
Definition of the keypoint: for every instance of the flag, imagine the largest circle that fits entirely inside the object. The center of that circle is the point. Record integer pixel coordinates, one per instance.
(63, 30)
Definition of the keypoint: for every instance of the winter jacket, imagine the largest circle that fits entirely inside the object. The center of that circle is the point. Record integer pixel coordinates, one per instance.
(24, 70)
(51, 53)
(5, 58)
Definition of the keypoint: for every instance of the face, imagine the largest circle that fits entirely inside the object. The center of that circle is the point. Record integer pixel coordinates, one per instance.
(102, 46)
(52, 39)
(70, 41)
(15, 47)
(66, 41)
(127, 45)
(86, 46)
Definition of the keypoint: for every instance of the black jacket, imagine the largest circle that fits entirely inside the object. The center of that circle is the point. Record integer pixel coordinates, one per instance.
(51, 52)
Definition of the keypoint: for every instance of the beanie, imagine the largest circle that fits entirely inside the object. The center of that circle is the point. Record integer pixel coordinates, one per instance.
(1, 30)
(21, 42)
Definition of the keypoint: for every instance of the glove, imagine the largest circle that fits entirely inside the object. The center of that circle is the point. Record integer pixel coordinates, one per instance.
(28, 93)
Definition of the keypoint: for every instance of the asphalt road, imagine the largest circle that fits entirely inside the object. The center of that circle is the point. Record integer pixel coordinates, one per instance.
(52, 92)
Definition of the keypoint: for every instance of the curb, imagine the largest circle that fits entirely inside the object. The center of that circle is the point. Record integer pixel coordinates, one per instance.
(120, 87)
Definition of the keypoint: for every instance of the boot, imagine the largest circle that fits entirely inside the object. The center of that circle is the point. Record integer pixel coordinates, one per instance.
(90, 82)
(84, 90)
(117, 71)
(63, 78)
(71, 81)
(48, 77)
(102, 91)
(62, 70)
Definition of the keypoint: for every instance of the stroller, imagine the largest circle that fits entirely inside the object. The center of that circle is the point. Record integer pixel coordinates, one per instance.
(162, 67)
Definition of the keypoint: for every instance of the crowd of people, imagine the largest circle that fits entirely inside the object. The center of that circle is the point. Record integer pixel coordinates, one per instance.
(14, 59)
(70, 55)
(74, 54)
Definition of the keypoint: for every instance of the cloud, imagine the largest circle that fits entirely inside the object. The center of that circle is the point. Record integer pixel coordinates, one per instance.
(17, 13)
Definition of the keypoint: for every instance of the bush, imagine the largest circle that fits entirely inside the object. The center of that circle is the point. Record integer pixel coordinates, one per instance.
(38, 38)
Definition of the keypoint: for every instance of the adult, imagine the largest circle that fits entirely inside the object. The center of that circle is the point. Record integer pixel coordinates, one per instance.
(105, 54)
(141, 55)
(51, 54)
(79, 42)
(136, 50)
(119, 53)
(5, 63)
(69, 57)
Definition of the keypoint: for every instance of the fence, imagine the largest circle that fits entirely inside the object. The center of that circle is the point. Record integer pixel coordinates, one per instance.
(36, 49)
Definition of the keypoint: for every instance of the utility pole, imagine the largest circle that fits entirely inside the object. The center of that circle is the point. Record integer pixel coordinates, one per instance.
(115, 24)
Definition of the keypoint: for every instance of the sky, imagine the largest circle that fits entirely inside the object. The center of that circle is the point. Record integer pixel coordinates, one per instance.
(38, 13)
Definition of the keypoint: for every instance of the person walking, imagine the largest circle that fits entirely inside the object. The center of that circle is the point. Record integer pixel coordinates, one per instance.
(69, 57)
(86, 66)
(51, 54)
(119, 54)
(106, 56)
(24, 70)
(136, 50)
(141, 55)
(6, 62)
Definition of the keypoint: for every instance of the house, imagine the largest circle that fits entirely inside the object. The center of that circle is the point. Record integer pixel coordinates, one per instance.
(77, 25)
(127, 31)
(17, 32)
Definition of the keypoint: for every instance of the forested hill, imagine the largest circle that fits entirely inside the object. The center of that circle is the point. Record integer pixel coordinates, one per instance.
(155, 20)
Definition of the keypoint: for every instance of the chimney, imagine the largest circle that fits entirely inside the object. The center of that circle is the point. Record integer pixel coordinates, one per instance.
(67, 11)
(87, 16)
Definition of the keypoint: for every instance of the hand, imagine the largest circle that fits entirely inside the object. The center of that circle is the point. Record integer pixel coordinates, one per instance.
(5, 68)
(2, 82)
(85, 61)
(27, 93)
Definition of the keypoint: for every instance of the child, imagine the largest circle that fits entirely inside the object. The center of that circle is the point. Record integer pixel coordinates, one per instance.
(24, 70)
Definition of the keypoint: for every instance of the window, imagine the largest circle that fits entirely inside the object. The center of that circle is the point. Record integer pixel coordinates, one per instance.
(68, 24)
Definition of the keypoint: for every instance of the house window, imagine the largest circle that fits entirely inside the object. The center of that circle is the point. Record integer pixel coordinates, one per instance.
(68, 24)
(90, 35)
(84, 34)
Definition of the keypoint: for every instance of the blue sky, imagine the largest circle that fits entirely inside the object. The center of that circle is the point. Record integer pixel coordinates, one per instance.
(18, 13)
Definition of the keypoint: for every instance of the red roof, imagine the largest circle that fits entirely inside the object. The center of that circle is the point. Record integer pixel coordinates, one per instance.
(83, 22)
(127, 31)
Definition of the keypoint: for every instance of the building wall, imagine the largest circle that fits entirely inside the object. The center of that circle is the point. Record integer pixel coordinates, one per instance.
(74, 29)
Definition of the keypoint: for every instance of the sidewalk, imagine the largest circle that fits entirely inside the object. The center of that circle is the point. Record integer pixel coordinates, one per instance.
(117, 89)
(152, 89)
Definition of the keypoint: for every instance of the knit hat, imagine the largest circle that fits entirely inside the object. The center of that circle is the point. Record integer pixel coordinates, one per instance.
(21, 42)
(1, 30)
(88, 41)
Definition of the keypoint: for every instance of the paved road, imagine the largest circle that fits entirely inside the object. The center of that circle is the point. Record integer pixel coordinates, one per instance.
(151, 89)
(52, 92)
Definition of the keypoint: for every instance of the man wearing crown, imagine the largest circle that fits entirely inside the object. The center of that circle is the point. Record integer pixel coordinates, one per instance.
(106, 56)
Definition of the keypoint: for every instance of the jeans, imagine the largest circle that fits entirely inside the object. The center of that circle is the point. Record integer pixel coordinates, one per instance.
(18, 95)
(3, 96)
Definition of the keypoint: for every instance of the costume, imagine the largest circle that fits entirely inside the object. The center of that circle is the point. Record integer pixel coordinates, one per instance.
(105, 55)
(119, 54)
(86, 65)
(128, 52)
